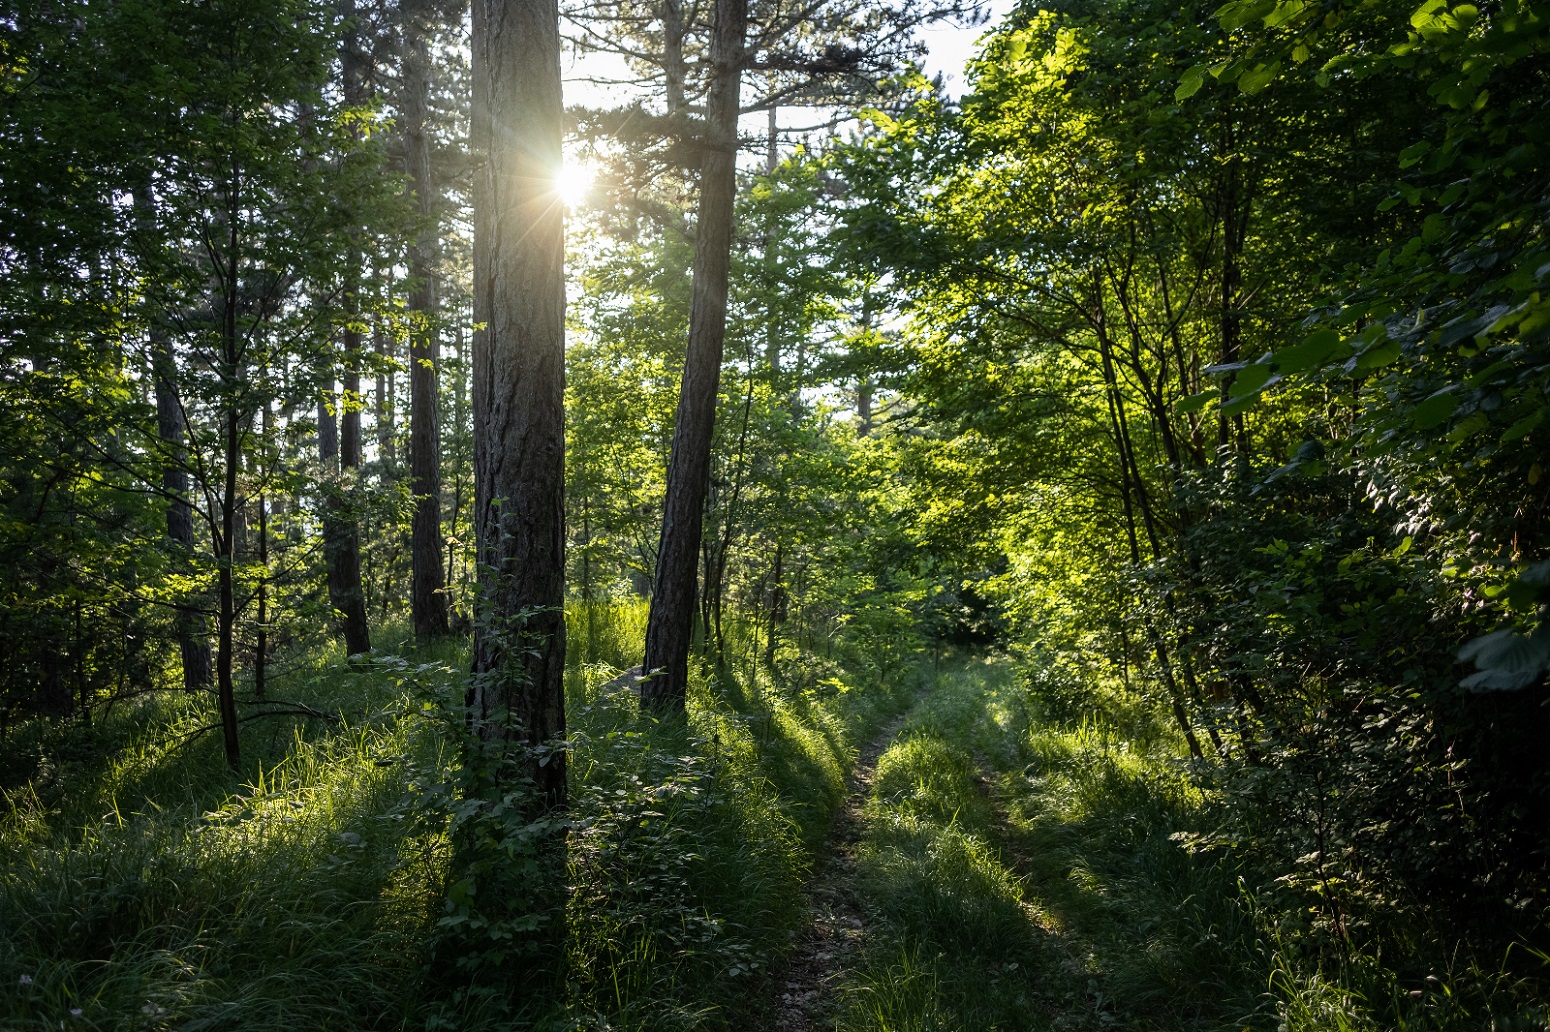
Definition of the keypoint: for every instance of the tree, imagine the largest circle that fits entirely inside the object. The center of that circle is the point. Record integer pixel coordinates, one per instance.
(517, 692)
(670, 625)
(339, 413)
(427, 594)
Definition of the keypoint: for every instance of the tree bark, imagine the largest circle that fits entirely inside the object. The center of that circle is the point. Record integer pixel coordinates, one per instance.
(193, 639)
(387, 432)
(226, 543)
(675, 68)
(341, 535)
(517, 692)
(341, 538)
(670, 623)
(427, 594)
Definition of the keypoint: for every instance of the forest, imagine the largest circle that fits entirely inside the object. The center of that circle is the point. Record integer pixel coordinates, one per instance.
(662, 514)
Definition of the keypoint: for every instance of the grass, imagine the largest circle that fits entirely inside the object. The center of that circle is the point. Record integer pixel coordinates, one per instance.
(1019, 872)
(145, 887)
(955, 941)
(1026, 873)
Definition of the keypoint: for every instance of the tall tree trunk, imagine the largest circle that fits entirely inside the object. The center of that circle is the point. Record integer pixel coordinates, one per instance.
(771, 266)
(386, 415)
(226, 539)
(517, 692)
(670, 622)
(341, 534)
(193, 639)
(261, 630)
(427, 594)
(341, 540)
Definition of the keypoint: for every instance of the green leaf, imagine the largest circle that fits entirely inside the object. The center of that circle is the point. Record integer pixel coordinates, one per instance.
(1506, 660)
(1375, 357)
(1284, 12)
(1250, 378)
(1413, 153)
(1196, 402)
(1190, 84)
(1435, 410)
(1525, 426)
(1239, 13)
(1258, 77)
(1316, 349)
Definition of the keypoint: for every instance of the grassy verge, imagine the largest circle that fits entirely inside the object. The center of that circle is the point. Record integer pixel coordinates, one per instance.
(1028, 874)
(145, 887)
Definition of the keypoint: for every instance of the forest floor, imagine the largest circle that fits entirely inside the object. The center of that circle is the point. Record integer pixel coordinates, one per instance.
(828, 947)
(989, 872)
(982, 867)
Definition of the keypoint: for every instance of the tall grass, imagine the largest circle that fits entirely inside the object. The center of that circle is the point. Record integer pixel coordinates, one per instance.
(153, 889)
(145, 887)
(955, 942)
(1025, 868)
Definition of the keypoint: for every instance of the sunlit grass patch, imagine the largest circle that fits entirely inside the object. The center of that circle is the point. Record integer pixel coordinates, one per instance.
(145, 886)
(954, 943)
(299, 898)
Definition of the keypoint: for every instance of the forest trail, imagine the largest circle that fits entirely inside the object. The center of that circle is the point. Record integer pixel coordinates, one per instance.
(807, 994)
(926, 911)
(914, 857)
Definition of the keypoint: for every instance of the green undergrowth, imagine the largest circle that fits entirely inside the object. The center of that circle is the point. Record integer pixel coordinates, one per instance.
(1024, 872)
(146, 887)
(954, 941)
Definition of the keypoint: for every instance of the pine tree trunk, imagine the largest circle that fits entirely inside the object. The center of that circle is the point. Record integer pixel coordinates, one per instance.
(387, 432)
(427, 595)
(670, 623)
(518, 692)
(341, 535)
(341, 541)
(674, 67)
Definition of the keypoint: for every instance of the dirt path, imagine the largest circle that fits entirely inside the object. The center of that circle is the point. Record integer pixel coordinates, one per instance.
(805, 997)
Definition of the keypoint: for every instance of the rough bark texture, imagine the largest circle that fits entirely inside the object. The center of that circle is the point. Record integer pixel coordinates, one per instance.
(674, 67)
(670, 624)
(341, 536)
(517, 691)
(427, 596)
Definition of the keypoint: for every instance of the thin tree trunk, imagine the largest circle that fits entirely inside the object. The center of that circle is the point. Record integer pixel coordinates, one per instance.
(777, 604)
(427, 595)
(261, 635)
(1233, 213)
(716, 572)
(387, 432)
(517, 692)
(341, 534)
(670, 622)
(674, 67)
(227, 544)
(1130, 480)
(193, 639)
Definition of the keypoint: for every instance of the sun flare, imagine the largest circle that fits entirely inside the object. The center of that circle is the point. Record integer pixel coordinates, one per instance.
(575, 182)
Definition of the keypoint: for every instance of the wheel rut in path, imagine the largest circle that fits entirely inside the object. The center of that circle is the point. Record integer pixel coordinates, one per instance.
(805, 991)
